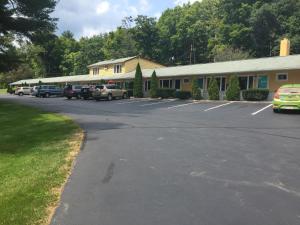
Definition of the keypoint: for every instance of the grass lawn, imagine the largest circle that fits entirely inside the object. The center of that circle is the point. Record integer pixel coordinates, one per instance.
(36, 154)
(2, 91)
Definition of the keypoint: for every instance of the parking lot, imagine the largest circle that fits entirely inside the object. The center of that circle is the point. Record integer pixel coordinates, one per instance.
(175, 162)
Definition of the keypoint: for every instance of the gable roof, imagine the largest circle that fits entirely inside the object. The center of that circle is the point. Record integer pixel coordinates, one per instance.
(112, 61)
(230, 67)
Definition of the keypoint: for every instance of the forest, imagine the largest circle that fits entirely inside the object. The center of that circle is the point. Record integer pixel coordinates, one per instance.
(207, 31)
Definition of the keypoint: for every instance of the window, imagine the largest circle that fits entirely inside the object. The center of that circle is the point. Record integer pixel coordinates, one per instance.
(262, 81)
(95, 71)
(166, 83)
(186, 81)
(246, 82)
(118, 68)
(282, 77)
(147, 85)
(221, 83)
(200, 83)
(177, 84)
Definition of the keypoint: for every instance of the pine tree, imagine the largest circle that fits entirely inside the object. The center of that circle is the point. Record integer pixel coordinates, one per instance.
(153, 85)
(138, 83)
(196, 91)
(213, 89)
(233, 91)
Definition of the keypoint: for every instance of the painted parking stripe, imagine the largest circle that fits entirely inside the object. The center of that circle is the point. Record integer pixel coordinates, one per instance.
(132, 101)
(218, 106)
(182, 105)
(264, 108)
(157, 103)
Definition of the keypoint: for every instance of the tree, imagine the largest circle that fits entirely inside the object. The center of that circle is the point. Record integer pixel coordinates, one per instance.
(227, 53)
(138, 82)
(196, 91)
(153, 85)
(24, 19)
(213, 89)
(146, 36)
(233, 90)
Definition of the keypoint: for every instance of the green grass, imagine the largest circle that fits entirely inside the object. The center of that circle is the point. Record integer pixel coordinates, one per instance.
(35, 159)
(3, 91)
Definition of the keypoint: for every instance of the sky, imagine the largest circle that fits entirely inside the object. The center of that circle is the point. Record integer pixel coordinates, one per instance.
(85, 18)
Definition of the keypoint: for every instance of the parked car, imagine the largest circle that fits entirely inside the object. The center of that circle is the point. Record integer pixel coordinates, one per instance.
(287, 97)
(109, 92)
(71, 91)
(34, 90)
(87, 92)
(23, 91)
(46, 91)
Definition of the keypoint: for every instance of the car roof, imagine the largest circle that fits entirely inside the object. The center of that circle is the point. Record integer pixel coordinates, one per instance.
(291, 86)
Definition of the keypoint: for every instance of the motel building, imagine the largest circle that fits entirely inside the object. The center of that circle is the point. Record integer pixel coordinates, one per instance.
(270, 73)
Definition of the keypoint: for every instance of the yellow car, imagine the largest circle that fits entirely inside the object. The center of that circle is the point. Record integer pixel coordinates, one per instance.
(287, 97)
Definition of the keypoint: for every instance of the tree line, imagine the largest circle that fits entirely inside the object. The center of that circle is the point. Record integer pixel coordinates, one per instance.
(207, 31)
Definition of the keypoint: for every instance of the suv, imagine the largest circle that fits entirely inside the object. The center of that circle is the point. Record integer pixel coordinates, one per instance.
(87, 91)
(34, 90)
(23, 91)
(109, 92)
(71, 91)
(46, 91)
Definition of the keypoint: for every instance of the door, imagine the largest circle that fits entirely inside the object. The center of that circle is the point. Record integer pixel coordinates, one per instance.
(177, 84)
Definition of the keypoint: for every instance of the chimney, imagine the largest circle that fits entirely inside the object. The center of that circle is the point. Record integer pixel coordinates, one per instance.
(285, 47)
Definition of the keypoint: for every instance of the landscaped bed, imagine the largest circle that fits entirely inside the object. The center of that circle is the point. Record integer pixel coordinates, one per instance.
(36, 154)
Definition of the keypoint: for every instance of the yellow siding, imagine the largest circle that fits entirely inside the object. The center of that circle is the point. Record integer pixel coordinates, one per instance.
(108, 70)
(145, 64)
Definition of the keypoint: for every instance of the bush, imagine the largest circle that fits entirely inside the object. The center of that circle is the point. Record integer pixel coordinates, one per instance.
(196, 91)
(153, 85)
(183, 94)
(129, 93)
(213, 89)
(255, 94)
(166, 92)
(138, 83)
(233, 91)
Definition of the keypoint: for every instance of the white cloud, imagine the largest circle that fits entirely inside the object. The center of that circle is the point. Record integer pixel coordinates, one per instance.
(102, 7)
(181, 2)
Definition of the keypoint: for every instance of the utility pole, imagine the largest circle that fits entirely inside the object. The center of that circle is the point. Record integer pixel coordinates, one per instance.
(191, 52)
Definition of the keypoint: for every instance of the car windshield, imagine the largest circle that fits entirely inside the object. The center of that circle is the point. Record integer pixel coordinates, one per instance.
(293, 90)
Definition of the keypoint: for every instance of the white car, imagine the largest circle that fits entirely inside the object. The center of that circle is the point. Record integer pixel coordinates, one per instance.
(23, 91)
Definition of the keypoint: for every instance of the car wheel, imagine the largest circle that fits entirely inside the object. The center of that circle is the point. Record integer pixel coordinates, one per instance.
(109, 97)
(69, 97)
(85, 98)
(21, 94)
(97, 99)
(47, 95)
(78, 96)
(276, 110)
(124, 95)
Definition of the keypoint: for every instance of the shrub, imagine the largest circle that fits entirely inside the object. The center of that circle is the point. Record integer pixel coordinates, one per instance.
(233, 91)
(138, 82)
(183, 94)
(166, 92)
(255, 94)
(213, 89)
(196, 91)
(129, 93)
(153, 85)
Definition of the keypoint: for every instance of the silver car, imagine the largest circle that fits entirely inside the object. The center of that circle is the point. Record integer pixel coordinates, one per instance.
(109, 92)
(23, 91)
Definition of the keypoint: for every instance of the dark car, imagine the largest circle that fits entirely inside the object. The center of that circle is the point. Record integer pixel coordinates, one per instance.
(87, 91)
(46, 91)
(72, 91)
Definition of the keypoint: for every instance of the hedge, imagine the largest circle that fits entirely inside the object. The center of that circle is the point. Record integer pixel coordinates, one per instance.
(255, 94)
(183, 94)
(166, 92)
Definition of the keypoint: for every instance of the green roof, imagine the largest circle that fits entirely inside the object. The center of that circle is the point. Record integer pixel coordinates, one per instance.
(112, 61)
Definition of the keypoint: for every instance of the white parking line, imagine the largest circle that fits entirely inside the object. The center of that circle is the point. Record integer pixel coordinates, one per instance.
(218, 106)
(156, 103)
(268, 106)
(182, 105)
(132, 101)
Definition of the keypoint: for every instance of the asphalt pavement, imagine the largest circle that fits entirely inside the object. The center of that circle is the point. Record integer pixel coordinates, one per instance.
(172, 162)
